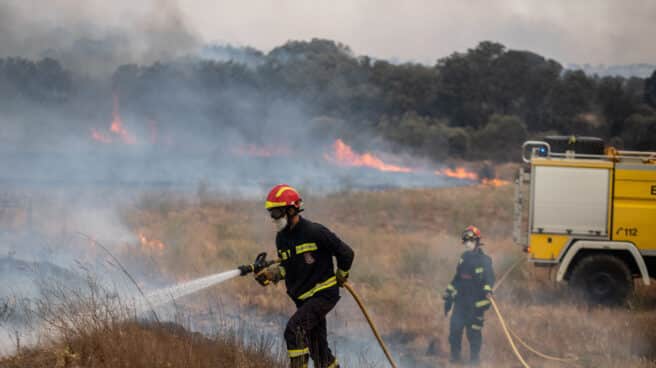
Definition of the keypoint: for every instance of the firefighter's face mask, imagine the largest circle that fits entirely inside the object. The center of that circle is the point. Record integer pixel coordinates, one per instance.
(469, 240)
(278, 215)
(280, 224)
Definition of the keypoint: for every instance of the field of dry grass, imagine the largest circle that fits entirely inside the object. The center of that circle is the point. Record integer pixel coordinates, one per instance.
(89, 325)
(137, 345)
(406, 250)
(406, 244)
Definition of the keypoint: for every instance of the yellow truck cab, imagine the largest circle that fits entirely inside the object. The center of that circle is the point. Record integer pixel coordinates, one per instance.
(589, 211)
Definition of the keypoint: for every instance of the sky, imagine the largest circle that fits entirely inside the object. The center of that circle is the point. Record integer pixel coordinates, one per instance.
(570, 31)
(600, 31)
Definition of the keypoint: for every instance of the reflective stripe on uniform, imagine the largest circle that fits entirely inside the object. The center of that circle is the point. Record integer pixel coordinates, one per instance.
(476, 327)
(318, 287)
(482, 303)
(283, 272)
(306, 247)
(295, 353)
(451, 289)
(487, 287)
(334, 364)
(480, 270)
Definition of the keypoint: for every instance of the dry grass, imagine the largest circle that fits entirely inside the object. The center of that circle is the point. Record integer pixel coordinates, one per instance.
(406, 250)
(137, 345)
(93, 327)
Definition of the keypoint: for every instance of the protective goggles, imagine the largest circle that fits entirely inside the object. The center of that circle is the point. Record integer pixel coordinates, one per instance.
(469, 236)
(277, 212)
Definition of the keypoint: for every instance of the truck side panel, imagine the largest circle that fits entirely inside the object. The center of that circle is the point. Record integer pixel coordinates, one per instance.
(570, 200)
(547, 247)
(634, 206)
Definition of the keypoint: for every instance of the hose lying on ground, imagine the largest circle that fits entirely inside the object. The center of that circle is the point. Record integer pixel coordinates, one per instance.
(507, 333)
(348, 287)
(510, 334)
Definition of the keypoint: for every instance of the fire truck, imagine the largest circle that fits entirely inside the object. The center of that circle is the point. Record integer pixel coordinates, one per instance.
(588, 212)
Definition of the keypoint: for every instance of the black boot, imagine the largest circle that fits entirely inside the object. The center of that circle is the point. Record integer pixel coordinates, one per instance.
(455, 357)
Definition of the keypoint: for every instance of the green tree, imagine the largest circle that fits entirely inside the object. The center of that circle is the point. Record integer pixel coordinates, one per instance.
(500, 139)
(464, 87)
(650, 90)
(640, 132)
(615, 103)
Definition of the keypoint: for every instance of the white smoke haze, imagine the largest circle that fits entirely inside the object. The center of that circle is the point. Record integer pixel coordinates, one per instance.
(79, 173)
(72, 183)
(95, 36)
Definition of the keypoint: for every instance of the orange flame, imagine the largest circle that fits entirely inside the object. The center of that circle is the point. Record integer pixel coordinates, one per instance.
(152, 244)
(115, 128)
(117, 124)
(344, 155)
(458, 173)
(496, 182)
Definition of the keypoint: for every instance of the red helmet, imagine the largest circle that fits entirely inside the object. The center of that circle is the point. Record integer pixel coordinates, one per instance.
(283, 195)
(471, 233)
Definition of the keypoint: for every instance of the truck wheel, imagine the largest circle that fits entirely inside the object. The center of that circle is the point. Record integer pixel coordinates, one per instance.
(602, 279)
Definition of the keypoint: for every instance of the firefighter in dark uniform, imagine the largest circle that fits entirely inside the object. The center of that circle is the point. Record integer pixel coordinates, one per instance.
(306, 250)
(469, 294)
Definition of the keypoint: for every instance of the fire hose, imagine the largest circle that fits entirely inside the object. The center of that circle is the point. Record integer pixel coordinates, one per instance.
(348, 287)
(261, 263)
(511, 335)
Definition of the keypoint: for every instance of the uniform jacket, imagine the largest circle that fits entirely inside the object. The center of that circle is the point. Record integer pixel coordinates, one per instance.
(474, 279)
(306, 252)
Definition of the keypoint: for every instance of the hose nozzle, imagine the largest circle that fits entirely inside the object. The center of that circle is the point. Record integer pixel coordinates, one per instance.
(258, 265)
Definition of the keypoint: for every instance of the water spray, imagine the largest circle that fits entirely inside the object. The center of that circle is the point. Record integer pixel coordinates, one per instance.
(162, 296)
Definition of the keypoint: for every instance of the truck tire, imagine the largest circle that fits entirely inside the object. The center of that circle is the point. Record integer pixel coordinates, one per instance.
(602, 279)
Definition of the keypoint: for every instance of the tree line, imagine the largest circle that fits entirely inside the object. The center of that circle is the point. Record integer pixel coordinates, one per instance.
(477, 104)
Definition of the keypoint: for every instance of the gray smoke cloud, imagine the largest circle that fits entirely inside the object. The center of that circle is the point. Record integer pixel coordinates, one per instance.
(184, 134)
(94, 37)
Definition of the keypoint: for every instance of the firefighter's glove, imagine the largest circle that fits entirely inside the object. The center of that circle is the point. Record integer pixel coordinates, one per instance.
(269, 275)
(341, 276)
(448, 303)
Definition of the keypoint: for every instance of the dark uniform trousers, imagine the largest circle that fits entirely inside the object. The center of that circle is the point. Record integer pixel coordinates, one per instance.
(470, 318)
(306, 332)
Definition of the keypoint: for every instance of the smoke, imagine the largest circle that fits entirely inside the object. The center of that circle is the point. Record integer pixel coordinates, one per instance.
(122, 107)
(94, 37)
(129, 97)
